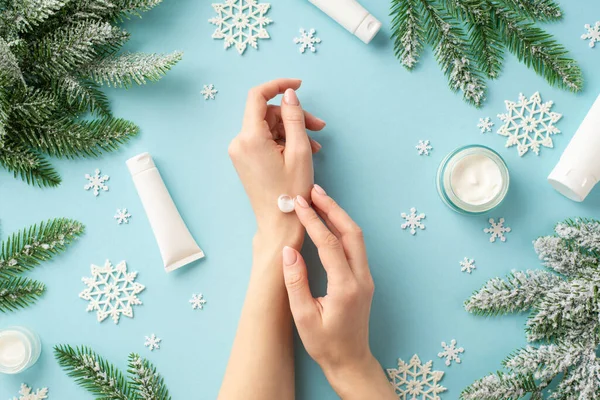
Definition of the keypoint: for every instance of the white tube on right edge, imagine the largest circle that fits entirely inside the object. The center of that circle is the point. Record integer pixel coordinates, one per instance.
(578, 169)
(176, 244)
(351, 16)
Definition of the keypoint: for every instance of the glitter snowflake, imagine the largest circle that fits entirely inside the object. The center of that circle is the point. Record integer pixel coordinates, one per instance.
(241, 22)
(413, 221)
(122, 216)
(96, 182)
(485, 125)
(307, 40)
(529, 124)
(209, 92)
(467, 265)
(497, 230)
(593, 33)
(152, 342)
(416, 381)
(111, 291)
(197, 301)
(423, 147)
(26, 393)
(451, 352)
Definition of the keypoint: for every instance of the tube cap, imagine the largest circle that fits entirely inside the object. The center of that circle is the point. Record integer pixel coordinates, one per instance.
(571, 183)
(140, 163)
(368, 28)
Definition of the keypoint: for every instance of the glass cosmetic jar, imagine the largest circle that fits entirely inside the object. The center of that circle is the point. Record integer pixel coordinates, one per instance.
(20, 348)
(473, 180)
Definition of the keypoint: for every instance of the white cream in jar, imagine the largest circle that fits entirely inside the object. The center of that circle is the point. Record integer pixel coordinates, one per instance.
(19, 349)
(473, 179)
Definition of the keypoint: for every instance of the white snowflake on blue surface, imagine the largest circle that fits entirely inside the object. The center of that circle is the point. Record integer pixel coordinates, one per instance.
(197, 301)
(96, 182)
(485, 125)
(423, 147)
(209, 92)
(413, 221)
(414, 380)
(152, 342)
(307, 40)
(593, 33)
(451, 352)
(467, 265)
(122, 216)
(26, 393)
(497, 230)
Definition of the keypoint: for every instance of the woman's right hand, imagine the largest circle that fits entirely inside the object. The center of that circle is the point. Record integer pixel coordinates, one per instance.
(335, 329)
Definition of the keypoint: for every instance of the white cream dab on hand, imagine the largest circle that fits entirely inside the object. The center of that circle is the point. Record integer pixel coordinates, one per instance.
(285, 203)
(476, 179)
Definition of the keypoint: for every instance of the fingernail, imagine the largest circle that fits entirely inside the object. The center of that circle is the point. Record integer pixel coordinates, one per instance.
(300, 200)
(321, 121)
(290, 97)
(289, 256)
(317, 145)
(320, 190)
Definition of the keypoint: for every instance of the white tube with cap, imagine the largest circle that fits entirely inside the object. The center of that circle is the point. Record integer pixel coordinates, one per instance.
(176, 244)
(352, 16)
(578, 169)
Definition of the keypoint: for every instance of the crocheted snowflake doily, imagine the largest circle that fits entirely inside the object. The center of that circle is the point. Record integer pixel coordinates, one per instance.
(467, 265)
(413, 221)
(96, 182)
(529, 124)
(497, 230)
(451, 352)
(485, 125)
(111, 291)
(241, 22)
(197, 301)
(122, 216)
(593, 33)
(415, 380)
(152, 342)
(209, 92)
(307, 40)
(423, 147)
(26, 393)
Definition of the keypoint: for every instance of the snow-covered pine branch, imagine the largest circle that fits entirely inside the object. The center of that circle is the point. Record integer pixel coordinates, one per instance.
(145, 380)
(408, 33)
(18, 292)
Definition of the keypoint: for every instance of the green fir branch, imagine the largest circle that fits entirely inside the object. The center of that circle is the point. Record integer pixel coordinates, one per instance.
(145, 380)
(93, 373)
(27, 165)
(500, 387)
(82, 95)
(28, 247)
(545, 362)
(125, 69)
(18, 292)
(10, 70)
(536, 10)
(27, 14)
(407, 31)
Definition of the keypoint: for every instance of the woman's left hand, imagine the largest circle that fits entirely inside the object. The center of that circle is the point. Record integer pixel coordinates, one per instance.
(273, 154)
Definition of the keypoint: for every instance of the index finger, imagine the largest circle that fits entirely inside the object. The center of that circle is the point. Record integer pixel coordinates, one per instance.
(256, 104)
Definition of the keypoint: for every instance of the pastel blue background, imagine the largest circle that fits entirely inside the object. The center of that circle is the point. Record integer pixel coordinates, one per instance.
(376, 113)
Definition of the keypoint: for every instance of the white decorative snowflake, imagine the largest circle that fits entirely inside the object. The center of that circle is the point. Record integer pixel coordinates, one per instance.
(497, 230)
(307, 40)
(529, 124)
(197, 301)
(26, 393)
(423, 147)
(96, 182)
(485, 125)
(413, 221)
(451, 352)
(241, 22)
(467, 265)
(122, 216)
(111, 291)
(152, 342)
(593, 33)
(209, 92)
(416, 381)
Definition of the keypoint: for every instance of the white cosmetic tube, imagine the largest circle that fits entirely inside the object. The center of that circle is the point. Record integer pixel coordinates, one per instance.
(176, 244)
(578, 169)
(352, 16)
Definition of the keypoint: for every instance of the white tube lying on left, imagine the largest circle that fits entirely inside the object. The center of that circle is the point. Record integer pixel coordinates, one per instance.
(176, 244)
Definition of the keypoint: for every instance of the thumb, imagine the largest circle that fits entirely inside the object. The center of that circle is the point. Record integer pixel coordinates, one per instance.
(292, 115)
(302, 303)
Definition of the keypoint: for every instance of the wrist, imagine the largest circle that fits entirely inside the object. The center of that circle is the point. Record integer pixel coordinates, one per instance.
(362, 380)
(279, 231)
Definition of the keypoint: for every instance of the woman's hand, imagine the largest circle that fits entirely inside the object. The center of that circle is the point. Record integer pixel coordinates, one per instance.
(335, 328)
(273, 154)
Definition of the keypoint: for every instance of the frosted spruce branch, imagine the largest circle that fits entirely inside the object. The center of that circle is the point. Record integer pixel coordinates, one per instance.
(407, 32)
(18, 292)
(145, 379)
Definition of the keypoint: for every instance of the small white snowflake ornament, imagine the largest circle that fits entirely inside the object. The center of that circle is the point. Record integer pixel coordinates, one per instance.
(497, 230)
(307, 40)
(209, 92)
(413, 221)
(96, 182)
(152, 342)
(467, 265)
(122, 216)
(593, 33)
(414, 380)
(529, 124)
(485, 125)
(26, 393)
(197, 301)
(451, 352)
(241, 23)
(111, 291)
(423, 147)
